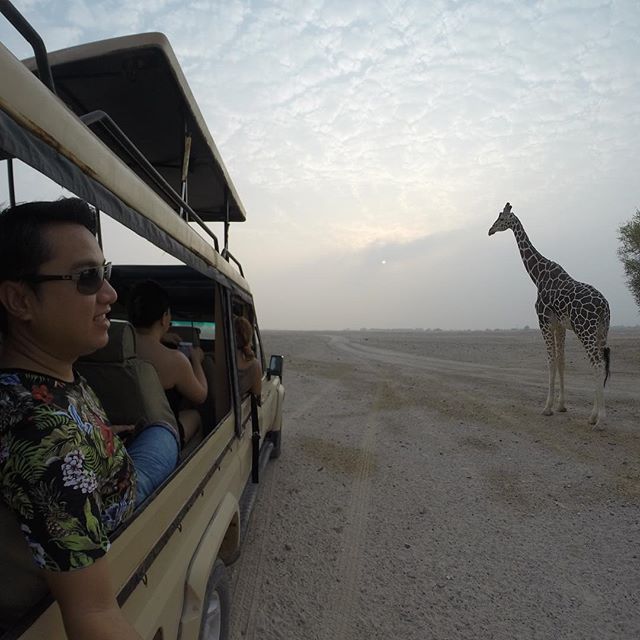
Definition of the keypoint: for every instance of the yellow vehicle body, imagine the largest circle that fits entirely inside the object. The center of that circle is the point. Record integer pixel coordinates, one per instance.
(162, 560)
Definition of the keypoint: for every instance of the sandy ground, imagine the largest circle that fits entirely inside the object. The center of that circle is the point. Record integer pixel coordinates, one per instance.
(422, 495)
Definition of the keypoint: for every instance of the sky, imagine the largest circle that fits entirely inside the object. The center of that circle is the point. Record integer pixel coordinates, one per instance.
(373, 144)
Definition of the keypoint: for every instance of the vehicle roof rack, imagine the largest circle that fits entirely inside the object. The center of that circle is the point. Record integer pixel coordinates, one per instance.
(127, 147)
(33, 38)
(128, 75)
(137, 80)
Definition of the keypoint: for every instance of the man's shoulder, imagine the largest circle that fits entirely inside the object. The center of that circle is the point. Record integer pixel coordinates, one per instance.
(42, 387)
(174, 357)
(29, 379)
(17, 386)
(29, 396)
(16, 399)
(10, 379)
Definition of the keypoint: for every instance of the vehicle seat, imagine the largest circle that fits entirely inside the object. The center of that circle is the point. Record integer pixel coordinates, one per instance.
(128, 387)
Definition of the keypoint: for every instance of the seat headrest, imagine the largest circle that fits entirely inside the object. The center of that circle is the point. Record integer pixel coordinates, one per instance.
(121, 346)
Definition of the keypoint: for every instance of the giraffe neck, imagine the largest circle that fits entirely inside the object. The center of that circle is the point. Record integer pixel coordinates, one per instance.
(532, 259)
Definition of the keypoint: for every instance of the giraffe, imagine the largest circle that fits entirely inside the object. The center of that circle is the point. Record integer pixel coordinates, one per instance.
(564, 303)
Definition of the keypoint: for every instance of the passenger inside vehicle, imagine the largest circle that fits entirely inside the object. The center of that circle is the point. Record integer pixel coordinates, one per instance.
(115, 367)
(249, 369)
(180, 371)
(67, 482)
(192, 336)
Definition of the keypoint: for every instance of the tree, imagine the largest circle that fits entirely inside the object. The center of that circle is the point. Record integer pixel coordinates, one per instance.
(629, 253)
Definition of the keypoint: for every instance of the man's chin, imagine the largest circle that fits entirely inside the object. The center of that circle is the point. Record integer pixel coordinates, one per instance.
(98, 344)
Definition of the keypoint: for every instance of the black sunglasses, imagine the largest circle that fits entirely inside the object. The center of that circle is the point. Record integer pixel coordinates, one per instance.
(88, 281)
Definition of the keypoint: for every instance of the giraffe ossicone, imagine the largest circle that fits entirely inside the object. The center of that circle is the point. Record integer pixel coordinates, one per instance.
(564, 303)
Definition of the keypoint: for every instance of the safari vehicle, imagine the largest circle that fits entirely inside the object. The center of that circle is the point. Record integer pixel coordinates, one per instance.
(115, 123)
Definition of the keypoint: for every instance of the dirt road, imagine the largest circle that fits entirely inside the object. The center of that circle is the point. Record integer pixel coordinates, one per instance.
(421, 494)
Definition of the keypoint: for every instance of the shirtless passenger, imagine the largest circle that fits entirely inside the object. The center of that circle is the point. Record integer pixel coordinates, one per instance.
(181, 376)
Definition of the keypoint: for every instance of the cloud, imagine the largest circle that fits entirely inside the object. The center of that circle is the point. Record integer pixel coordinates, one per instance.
(456, 280)
(371, 126)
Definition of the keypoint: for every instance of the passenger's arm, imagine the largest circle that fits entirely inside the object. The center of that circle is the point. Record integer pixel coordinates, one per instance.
(191, 381)
(88, 604)
(172, 340)
(256, 386)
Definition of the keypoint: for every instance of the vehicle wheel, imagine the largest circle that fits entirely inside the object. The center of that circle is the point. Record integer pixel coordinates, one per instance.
(214, 624)
(276, 438)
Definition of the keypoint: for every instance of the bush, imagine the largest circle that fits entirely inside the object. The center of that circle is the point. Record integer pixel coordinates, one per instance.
(629, 253)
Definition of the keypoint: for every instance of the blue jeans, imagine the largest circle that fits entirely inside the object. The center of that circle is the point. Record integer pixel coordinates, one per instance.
(155, 455)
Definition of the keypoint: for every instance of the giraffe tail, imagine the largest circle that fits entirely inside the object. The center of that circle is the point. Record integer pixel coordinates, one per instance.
(607, 362)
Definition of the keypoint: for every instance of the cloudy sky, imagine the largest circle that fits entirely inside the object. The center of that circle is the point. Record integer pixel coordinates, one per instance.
(373, 144)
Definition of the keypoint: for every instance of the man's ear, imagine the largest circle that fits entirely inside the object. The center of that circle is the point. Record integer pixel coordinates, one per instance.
(17, 297)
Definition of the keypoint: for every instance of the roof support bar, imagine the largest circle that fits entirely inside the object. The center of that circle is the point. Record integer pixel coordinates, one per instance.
(226, 221)
(226, 254)
(136, 155)
(99, 228)
(12, 186)
(230, 257)
(186, 156)
(32, 37)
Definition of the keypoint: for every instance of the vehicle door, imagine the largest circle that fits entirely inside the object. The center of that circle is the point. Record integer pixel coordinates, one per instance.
(269, 398)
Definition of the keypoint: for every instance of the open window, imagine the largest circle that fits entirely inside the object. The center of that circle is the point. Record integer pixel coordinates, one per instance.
(197, 310)
(243, 309)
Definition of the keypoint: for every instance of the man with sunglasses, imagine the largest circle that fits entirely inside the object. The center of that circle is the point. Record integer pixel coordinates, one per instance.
(63, 473)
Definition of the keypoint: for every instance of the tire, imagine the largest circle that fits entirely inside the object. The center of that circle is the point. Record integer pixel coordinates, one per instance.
(276, 438)
(214, 624)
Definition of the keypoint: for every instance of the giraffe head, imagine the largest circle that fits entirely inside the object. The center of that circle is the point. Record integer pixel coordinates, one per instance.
(505, 220)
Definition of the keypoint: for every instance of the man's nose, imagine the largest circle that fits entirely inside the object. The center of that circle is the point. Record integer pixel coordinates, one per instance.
(107, 293)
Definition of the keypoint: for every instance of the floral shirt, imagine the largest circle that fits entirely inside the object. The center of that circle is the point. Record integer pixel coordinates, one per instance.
(64, 474)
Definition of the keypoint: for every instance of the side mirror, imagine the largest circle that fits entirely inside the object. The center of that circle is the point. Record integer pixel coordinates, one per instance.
(275, 367)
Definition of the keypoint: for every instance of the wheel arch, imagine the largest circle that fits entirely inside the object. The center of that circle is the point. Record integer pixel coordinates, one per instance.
(221, 539)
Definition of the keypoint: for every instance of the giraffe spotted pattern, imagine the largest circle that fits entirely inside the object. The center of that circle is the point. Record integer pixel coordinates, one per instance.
(564, 303)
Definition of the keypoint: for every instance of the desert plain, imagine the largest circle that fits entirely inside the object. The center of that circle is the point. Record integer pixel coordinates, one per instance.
(421, 494)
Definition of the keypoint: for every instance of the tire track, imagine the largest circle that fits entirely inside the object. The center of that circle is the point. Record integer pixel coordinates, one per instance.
(248, 581)
(397, 442)
(248, 575)
(339, 610)
(620, 389)
(426, 363)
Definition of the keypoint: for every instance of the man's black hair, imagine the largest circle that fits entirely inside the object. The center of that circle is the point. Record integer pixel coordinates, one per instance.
(23, 247)
(147, 303)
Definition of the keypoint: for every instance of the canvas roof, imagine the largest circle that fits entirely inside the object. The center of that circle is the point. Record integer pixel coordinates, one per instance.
(138, 82)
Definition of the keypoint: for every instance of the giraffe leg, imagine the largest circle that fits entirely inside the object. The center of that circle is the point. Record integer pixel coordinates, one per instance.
(596, 357)
(560, 334)
(547, 334)
(598, 413)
